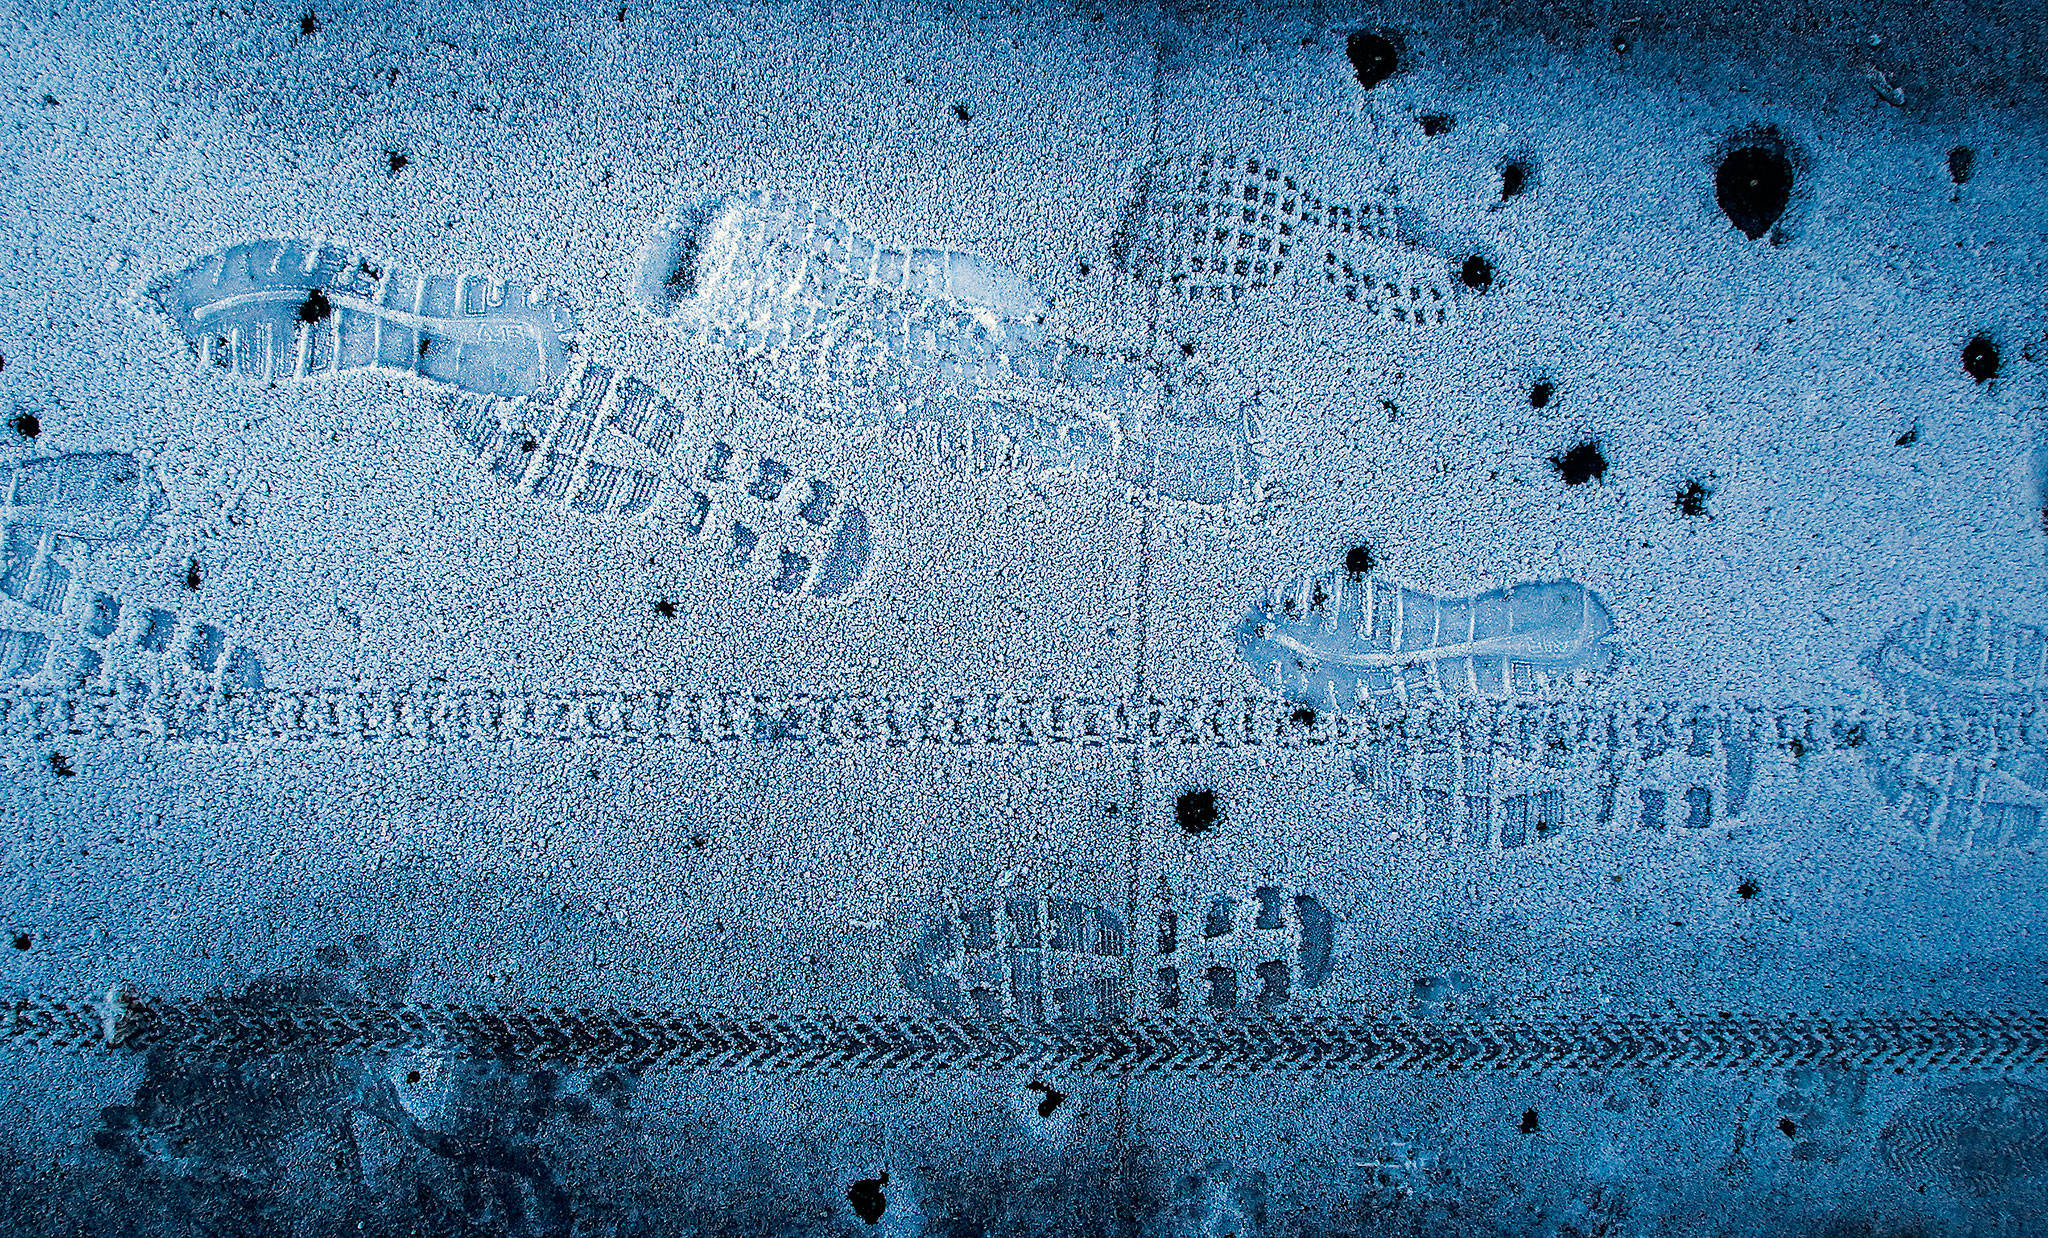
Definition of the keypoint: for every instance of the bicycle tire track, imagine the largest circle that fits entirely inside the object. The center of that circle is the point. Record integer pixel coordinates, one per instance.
(241, 1028)
(437, 713)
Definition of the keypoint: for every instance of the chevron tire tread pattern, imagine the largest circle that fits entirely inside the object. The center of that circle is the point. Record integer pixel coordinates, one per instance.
(587, 1037)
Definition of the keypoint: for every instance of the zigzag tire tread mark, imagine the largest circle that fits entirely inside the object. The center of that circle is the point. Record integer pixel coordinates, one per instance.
(583, 1036)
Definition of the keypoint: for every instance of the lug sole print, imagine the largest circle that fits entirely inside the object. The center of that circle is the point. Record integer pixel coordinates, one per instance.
(1667, 774)
(1219, 227)
(1339, 642)
(269, 311)
(57, 631)
(946, 351)
(613, 447)
(585, 438)
(1987, 800)
(1728, 1044)
(1028, 957)
(1251, 951)
(1032, 957)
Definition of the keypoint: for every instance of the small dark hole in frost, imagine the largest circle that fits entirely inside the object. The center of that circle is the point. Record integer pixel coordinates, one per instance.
(310, 23)
(1436, 123)
(1692, 497)
(26, 425)
(867, 1198)
(1910, 437)
(412, 1076)
(1196, 811)
(1514, 178)
(529, 445)
(1752, 187)
(23, 941)
(1789, 1128)
(426, 342)
(1358, 561)
(192, 579)
(960, 110)
(316, 307)
(1960, 161)
(1980, 359)
(1747, 889)
(1053, 1097)
(665, 608)
(1304, 716)
(1539, 395)
(1529, 1124)
(396, 162)
(1372, 57)
(622, 15)
(1478, 273)
(1581, 464)
(60, 765)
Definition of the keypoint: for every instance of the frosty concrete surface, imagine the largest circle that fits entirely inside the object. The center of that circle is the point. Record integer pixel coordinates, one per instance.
(766, 510)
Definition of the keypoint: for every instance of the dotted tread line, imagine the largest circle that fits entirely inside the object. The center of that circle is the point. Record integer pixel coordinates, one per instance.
(1528, 730)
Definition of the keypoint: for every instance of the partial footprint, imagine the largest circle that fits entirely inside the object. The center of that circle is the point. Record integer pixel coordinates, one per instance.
(1958, 658)
(1219, 227)
(612, 447)
(1674, 776)
(1339, 641)
(588, 440)
(276, 310)
(1984, 801)
(1463, 798)
(847, 331)
(1983, 1138)
(57, 509)
(1028, 958)
(1250, 951)
(1034, 958)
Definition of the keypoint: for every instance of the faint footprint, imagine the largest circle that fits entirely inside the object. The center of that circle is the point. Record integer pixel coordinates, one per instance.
(945, 350)
(1221, 1199)
(1981, 1138)
(1252, 952)
(57, 509)
(1968, 660)
(1675, 775)
(1473, 798)
(1448, 994)
(1219, 227)
(1823, 1110)
(1030, 958)
(1338, 641)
